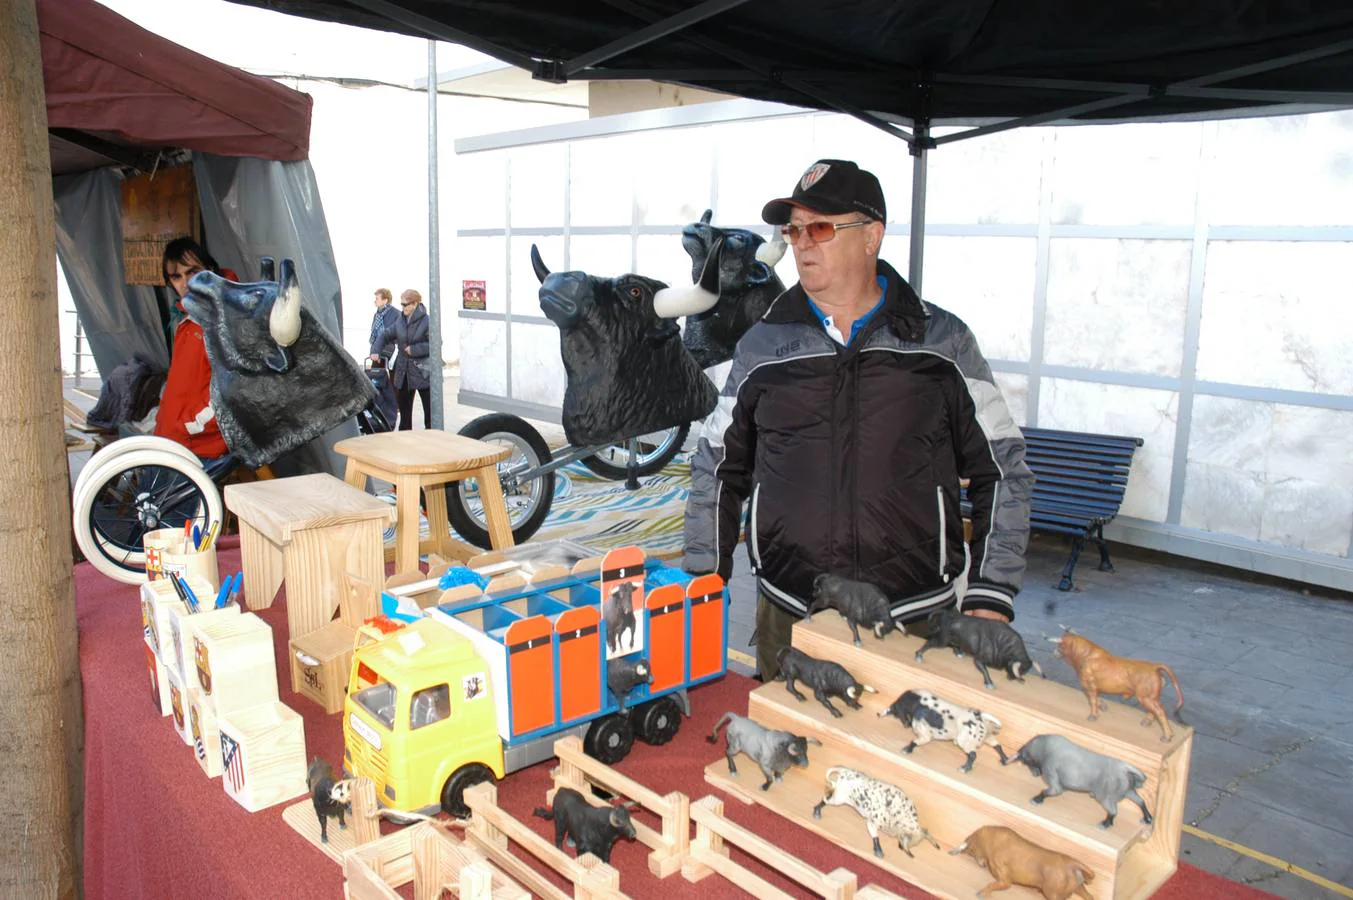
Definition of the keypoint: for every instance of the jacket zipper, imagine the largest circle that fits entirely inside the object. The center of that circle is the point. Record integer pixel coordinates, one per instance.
(755, 545)
(944, 536)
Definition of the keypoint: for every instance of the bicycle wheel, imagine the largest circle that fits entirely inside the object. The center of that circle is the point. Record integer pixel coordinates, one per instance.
(132, 494)
(656, 450)
(127, 445)
(528, 503)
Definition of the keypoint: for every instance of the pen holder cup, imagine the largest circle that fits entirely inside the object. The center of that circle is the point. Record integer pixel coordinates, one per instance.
(168, 551)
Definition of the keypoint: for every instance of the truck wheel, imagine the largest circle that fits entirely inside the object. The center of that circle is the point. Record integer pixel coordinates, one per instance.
(657, 722)
(609, 739)
(466, 777)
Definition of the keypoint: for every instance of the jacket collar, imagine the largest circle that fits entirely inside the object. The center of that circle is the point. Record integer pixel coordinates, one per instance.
(904, 311)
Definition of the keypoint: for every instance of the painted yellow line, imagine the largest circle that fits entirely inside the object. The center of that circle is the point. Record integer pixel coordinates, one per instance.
(738, 656)
(1341, 890)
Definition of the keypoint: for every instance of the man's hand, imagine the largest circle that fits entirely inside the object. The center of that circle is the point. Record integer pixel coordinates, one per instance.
(985, 614)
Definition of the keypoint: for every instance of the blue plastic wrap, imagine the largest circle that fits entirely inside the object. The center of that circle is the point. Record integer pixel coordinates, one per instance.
(461, 575)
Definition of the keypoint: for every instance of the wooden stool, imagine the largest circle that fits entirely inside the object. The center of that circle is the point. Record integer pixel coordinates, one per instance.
(430, 459)
(317, 533)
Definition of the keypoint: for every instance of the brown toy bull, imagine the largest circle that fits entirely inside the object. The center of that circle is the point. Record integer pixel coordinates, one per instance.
(1100, 672)
(1012, 860)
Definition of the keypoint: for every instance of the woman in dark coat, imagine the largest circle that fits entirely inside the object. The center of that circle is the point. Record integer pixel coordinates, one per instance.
(412, 371)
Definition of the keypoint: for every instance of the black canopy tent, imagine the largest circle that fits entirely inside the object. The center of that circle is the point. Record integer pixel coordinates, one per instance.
(907, 67)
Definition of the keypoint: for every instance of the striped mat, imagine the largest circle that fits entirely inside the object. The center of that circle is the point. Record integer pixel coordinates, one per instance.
(602, 514)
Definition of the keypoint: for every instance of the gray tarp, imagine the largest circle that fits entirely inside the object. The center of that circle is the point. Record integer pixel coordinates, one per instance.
(250, 208)
(256, 207)
(119, 320)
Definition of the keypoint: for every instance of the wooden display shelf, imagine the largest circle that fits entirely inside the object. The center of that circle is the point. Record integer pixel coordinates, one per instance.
(1130, 860)
(1026, 710)
(945, 876)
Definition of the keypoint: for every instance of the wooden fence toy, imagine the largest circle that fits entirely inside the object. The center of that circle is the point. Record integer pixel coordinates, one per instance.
(491, 829)
(429, 858)
(579, 771)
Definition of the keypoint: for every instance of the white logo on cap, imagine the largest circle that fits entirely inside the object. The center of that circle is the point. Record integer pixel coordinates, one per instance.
(813, 175)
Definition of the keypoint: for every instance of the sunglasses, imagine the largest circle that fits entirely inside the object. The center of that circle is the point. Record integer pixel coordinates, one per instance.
(818, 232)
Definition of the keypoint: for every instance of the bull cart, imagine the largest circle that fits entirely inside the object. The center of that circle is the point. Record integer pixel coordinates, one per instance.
(633, 390)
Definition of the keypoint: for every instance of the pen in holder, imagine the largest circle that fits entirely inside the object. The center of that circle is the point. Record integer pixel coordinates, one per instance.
(169, 550)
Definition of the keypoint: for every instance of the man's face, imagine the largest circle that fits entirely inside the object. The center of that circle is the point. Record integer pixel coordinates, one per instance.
(381, 300)
(178, 272)
(842, 259)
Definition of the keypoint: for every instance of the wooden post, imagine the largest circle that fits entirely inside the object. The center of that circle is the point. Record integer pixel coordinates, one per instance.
(40, 708)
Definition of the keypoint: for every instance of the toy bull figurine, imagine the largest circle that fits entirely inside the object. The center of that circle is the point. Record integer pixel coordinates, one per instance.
(988, 642)
(278, 378)
(774, 751)
(1067, 766)
(859, 602)
(1013, 860)
(1100, 671)
(628, 372)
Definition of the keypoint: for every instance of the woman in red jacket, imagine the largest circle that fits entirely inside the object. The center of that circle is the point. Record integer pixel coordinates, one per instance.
(185, 413)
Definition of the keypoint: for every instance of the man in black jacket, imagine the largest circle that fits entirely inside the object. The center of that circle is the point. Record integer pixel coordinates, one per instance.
(851, 412)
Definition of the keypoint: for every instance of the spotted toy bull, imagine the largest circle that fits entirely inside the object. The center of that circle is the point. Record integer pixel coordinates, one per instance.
(628, 372)
(278, 377)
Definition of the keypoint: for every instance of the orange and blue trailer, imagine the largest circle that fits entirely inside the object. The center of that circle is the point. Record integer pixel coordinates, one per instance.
(485, 685)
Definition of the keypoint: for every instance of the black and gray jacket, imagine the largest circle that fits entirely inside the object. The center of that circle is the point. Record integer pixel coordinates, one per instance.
(851, 457)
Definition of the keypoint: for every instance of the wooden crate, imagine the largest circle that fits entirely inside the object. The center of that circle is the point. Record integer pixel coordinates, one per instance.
(159, 686)
(206, 737)
(262, 755)
(1130, 860)
(157, 598)
(233, 663)
(320, 663)
(177, 655)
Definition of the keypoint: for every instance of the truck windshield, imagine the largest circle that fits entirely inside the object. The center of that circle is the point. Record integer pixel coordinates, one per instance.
(379, 700)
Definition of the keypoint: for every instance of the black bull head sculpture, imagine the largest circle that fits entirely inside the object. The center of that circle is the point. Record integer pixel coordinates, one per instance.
(628, 372)
(278, 377)
(747, 287)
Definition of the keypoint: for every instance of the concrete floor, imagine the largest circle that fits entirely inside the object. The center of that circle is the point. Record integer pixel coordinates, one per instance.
(1267, 673)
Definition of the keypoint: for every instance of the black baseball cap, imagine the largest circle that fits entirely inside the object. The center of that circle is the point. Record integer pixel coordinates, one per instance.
(834, 187)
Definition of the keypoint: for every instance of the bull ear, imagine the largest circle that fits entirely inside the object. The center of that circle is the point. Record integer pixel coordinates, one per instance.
(673, 303)
(707, 217)
(538, 264)
(266, 270)
(773, 252)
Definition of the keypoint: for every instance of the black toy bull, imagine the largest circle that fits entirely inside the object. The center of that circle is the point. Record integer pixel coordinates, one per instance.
(592, 829)
(278, 378)
(987, 641)
(747, 287)
(628, 372)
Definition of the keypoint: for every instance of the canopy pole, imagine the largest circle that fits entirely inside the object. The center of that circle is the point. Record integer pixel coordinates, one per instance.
(434, 246)
(920, 158)
(41, 710)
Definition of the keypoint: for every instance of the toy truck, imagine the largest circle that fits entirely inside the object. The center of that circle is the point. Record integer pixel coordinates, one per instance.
(478, 688)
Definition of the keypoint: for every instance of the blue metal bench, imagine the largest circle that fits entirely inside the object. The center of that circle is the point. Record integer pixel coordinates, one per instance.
(1080, 482)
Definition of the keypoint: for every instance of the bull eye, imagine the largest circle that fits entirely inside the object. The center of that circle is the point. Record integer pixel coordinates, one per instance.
(636, 293)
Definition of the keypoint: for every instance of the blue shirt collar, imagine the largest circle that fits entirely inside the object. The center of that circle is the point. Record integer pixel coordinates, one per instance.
(862, 320)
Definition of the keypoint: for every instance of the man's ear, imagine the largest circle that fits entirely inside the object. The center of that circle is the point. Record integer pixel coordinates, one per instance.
(875, 236)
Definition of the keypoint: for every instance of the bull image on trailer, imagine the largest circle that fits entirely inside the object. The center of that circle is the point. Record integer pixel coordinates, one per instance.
(480, 688)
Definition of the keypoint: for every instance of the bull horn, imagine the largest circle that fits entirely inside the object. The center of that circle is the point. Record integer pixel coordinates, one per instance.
(539, 265)
(284, 322)
(771, 253)
(266, 270)
(673, 303)
(1053, 639)
(1039, 670)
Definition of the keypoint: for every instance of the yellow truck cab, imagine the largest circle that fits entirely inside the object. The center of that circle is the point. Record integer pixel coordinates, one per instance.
(419, 710)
